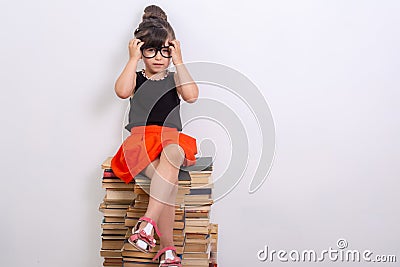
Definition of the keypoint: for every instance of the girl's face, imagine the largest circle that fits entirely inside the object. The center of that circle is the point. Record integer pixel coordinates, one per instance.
(158, 63)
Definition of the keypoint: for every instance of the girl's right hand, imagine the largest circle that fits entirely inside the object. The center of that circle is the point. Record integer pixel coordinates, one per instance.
(134, 49)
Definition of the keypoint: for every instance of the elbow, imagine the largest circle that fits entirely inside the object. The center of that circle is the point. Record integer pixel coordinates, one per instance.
(123, 90)
(122, 93)
(123, 96)
(192, 96)
(191, 99)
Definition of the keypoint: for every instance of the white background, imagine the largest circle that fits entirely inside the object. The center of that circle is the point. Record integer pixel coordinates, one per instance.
(329, 71)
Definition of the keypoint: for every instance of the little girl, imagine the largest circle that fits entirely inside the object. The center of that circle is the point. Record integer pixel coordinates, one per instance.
(156, 147)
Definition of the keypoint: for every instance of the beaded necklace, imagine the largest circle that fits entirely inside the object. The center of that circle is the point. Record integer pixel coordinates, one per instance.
(166, 74)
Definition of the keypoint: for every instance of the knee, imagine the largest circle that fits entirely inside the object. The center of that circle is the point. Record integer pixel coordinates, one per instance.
(151, 168)
(174, 154)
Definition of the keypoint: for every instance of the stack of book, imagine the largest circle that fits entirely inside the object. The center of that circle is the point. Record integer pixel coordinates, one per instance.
(198, 240)
(116, 201)
(214, 245)
(195, 238)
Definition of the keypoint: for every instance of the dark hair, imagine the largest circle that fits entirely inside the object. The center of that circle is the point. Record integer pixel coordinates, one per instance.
(154, 29)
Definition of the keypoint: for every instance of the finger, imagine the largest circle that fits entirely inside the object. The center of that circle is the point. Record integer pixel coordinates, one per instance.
(138, 45)
(176, 44)
(132, 42)
(135, 41)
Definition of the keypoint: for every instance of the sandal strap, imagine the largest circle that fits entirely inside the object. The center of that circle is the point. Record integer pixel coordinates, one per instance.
(148, 239)
(149, 220)
(168, 264)
(161, 251)
(175, 260)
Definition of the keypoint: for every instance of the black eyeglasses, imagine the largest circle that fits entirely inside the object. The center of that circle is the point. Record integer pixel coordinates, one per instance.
(150, 52)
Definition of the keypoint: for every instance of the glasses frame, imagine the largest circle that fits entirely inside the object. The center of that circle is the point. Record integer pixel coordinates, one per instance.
(157, 50)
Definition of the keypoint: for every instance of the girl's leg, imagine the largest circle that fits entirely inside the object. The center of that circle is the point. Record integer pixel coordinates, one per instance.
(163, 189)
(164, 182)
(166, 226)
(167, 217)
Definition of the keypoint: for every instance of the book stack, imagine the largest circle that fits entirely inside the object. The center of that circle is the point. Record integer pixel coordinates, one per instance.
(195, 238)
(214, 245)
(198, 240)
(116, 201)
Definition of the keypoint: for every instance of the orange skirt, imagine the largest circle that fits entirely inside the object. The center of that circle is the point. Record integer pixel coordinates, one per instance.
(144, 145)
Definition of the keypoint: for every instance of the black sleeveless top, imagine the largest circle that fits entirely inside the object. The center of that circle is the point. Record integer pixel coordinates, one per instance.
(155, 103)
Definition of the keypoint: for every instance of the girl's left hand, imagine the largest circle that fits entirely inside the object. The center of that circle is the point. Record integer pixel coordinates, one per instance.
(176, 52)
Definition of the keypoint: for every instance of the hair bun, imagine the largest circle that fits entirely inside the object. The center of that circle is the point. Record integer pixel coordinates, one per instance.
(155, 12)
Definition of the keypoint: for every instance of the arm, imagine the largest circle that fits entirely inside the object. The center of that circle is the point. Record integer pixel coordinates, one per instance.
(126, 82)
(185, 85)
